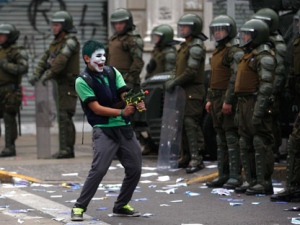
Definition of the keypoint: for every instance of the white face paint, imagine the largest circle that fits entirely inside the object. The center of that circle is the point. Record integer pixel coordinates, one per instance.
(98, 59)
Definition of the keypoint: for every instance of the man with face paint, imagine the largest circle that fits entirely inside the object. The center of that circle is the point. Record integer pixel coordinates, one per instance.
(60, 63)
(99, 91)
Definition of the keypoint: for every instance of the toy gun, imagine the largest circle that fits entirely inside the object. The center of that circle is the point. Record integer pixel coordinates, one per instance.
(135, 98)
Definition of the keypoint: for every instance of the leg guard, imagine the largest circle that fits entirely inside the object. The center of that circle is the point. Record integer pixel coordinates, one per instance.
(263, 168)
(248, 162)
(66, 135)
(235, 179)
(223, 164)
(11, 134)
(196, 162)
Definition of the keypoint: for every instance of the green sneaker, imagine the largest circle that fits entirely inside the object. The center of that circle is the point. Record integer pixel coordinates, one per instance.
(125, 211)
(77, 214)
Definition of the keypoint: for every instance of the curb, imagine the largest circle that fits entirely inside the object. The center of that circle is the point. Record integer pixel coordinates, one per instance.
(7, 177)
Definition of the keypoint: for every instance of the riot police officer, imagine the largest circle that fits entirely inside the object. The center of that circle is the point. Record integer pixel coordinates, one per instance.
(254, 87)
(292, 190)
(125, 48)
(163, 55)
(163, 59)
(221, 100)
(189, 74)
(13, 65)
(279, 47)
(60, 63)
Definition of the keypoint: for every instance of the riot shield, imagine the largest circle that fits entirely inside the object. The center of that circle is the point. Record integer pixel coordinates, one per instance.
(171, 129)
(45, 119)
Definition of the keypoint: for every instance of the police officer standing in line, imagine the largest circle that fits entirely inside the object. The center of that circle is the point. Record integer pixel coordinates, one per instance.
(125, 48)
(60, 63)
(13, 65)
(189, 74)
(163, 58)
(279, 47)
(221, 101)
(163, 55)
(292, 190)
(254, 87)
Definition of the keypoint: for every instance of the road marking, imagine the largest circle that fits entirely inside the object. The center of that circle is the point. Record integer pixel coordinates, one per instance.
(37, 202)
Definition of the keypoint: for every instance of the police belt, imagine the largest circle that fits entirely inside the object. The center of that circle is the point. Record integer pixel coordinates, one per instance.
(217, 92)
(244, 97)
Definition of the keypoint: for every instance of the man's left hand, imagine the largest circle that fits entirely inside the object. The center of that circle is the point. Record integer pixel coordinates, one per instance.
(45, 79)
(170, 85)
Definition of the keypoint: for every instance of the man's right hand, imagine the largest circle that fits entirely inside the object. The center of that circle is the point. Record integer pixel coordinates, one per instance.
(208, 107)
(32, 80)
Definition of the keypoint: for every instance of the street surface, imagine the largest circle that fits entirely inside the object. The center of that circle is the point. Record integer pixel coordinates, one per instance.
(158, 197)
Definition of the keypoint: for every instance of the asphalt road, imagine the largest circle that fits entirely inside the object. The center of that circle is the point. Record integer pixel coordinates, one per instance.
(158, 207)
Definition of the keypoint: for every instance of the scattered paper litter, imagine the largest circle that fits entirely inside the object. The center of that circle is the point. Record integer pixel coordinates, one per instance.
(179, 179)
(149, 168)
(211, 166)
(295, 220)
(112, 168)
(221, 191)
(164, 205)
(276, 190)
(256, 203)
(149, 174)
(69, 174)
(176, 201)
(169, 191)
(146, 181)
(163, 178)
(235, 203)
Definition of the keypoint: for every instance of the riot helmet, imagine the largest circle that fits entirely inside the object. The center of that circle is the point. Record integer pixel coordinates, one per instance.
(193, 22)
(254, 32)
(11, 32)
(269, 16)
(65, 19)
(222, 27)
(122, 15)
(296, 22)
(164, 33)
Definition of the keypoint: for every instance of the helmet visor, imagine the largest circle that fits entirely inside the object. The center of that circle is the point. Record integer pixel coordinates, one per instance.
(219, 32)
(184, 29)
(246, 36)
(156, 37)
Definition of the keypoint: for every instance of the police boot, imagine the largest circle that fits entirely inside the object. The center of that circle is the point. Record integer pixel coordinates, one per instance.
(11, 134)
(288, 195)
(223, 168)
(235, 179)
(66, 138)
(248, 162)
(264, 182)
(292, 191)
(8, 151)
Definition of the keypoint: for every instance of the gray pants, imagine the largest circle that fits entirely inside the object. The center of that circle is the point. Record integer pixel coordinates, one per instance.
(129, 154)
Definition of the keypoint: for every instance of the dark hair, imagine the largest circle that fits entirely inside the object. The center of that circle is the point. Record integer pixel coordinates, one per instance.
(90, 47)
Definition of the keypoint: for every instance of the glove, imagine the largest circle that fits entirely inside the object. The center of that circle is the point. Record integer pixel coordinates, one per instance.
(45, 79)
(170, 85)
(2, 62)
(256, 121)
(33, 79)
(151, 66)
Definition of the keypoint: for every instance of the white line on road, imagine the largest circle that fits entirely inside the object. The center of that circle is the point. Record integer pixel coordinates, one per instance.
(37, 203)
